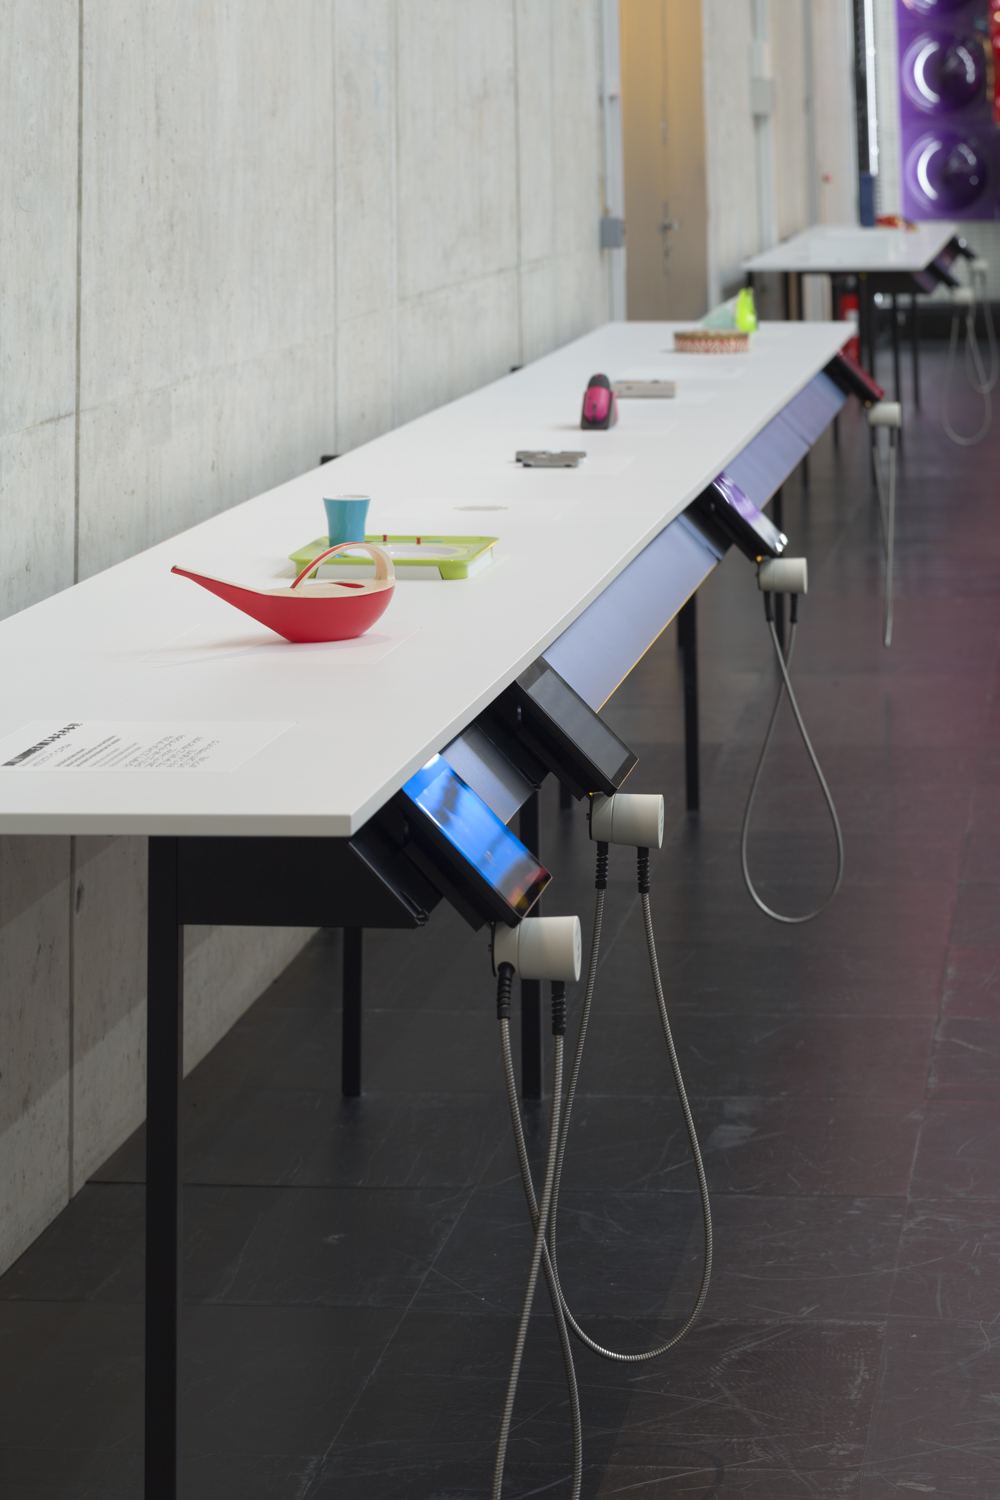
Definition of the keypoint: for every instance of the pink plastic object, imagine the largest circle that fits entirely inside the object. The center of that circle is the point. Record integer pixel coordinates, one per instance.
(600, 409)
(334, 611)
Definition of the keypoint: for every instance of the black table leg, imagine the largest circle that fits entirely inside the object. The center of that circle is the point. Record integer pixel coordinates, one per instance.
(531, 989)
(915, 341)
(350, 1019)
(687, 633)
(866, 325)
(164, 1071)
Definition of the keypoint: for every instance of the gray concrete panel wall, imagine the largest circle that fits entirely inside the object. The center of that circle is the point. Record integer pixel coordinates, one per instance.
(237, 234)
(730, 161)
(811, 135)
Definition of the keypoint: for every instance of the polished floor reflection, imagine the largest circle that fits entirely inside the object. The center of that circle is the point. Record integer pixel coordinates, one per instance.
(353, 1270)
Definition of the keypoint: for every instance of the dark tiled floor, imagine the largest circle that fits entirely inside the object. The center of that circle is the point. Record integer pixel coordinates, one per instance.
(353, 1271)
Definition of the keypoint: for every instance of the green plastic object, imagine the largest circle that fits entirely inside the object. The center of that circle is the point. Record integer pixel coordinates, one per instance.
(739, 312)
(746, 311)
(414, 556)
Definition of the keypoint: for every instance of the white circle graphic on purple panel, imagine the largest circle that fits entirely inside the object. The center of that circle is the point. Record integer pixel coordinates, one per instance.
(935, 7)
(946, 171)
(942, 73)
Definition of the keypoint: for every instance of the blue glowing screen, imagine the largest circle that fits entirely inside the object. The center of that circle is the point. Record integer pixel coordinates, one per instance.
(476, 832)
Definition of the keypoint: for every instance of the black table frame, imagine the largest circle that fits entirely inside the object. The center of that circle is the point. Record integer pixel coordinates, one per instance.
(869, 284)
(280, 882)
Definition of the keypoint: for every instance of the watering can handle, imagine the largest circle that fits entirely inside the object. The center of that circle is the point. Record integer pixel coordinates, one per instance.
(384, 570)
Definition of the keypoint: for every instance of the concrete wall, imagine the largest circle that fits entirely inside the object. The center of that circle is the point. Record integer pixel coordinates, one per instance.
(236, 234)
(794, 138)
(833, 94)
(810, 132)
(730, 163)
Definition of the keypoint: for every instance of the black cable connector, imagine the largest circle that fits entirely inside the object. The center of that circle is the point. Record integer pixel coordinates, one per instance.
(558, 1007)
(505, 983)
(768, 608)
(642, 856)
(601, 878)
(793, 610)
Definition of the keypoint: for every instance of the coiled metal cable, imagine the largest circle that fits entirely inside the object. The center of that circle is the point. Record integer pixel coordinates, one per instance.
(786, 687)
(887, 515)
(706, 1210)
(984, 386)
(581, 1334)
(554, 1293)
(543, 1215)
(536, 1260)
(978, 281)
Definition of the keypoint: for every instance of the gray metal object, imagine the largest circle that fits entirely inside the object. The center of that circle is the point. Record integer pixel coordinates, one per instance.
(543, 458)
(761, 97)
(612, 232)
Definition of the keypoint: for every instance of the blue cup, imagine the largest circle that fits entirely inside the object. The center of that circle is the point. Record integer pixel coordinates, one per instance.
(345, 518)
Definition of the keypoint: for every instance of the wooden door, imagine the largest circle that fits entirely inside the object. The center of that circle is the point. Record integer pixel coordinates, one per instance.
(666, 229)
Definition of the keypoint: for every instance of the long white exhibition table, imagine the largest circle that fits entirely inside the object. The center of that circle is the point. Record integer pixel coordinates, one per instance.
(313, 740)
(839, 249)
(353, 720)
(884, 259)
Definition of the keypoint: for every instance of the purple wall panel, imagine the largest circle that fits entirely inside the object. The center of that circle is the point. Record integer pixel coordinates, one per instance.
(950, 146)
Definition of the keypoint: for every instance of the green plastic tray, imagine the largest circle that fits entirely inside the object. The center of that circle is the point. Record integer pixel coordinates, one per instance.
(452, 556)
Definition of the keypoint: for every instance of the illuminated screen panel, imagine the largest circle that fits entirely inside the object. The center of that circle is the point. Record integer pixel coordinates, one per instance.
(478, 835)
(760, 526)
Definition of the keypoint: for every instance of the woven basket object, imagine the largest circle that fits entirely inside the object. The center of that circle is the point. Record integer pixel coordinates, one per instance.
(711, 341)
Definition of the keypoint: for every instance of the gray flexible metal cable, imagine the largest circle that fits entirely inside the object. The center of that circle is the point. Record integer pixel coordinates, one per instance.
(983, 389)
(549, 1259)
(991, 335)
(536, 1260)
(887, 515)
(786, 687)
(654, 1353)
(978, 280)
(554, 1293)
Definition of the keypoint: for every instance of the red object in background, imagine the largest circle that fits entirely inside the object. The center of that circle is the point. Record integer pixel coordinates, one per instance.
(995, 55)
(847, 310)
(853, 379)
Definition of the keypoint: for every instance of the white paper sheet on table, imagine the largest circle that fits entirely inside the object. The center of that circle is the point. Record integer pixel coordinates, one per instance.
(136, 745)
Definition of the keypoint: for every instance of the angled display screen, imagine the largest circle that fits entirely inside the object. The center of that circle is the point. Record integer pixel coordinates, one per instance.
(745, 508)
(734, 514)
(461, 818)
(575, 721)
(846, 373)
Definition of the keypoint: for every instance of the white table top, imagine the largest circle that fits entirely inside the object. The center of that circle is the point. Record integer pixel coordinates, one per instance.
(848, 247)
(137, 643)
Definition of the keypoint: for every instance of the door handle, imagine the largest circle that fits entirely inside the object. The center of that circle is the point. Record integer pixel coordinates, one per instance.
(664, 228)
